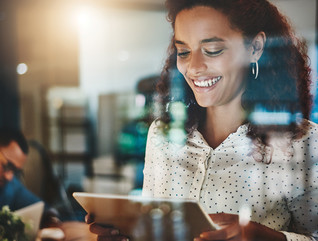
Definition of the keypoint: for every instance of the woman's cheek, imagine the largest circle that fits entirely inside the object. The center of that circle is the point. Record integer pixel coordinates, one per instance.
(181, 67)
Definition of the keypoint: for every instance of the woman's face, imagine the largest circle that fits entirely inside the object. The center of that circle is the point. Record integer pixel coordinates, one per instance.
(211, 56)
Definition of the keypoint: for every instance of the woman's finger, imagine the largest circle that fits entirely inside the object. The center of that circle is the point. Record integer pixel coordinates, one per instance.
(230, 232)
(89, 218)
(103, 230)
(222, 219)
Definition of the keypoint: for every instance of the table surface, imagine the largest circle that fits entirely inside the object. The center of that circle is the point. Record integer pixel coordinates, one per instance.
(76, 231)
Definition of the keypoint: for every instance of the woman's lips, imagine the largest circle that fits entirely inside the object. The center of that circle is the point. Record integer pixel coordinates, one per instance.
(208, 82)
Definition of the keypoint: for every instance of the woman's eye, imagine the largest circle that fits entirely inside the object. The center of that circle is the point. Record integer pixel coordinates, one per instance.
(183, 54)
(214, 53)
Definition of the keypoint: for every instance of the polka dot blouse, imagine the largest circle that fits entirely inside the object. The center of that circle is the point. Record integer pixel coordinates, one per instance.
(281, 191)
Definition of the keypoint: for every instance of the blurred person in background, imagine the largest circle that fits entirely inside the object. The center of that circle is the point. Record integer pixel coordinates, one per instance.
(13, 155)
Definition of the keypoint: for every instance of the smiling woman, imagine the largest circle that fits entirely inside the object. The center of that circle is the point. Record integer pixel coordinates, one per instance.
(212, 56)
(225, 48)
(256, 183)
(234, 56)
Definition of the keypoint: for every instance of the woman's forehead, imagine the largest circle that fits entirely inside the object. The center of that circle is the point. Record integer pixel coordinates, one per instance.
(205, 22)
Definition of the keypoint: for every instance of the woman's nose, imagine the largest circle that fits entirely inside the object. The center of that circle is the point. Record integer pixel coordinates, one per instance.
(197, 63)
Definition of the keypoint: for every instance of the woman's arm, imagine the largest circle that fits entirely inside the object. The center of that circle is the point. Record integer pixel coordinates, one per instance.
(231, 229)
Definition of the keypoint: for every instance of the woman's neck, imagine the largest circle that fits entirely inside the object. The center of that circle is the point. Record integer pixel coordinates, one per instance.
(221, 121)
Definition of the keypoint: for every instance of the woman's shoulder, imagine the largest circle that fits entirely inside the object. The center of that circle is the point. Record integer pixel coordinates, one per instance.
(311, 130)
(163, 134)
(156, 135)
(309, 138)
(313, 127)
(157, 127)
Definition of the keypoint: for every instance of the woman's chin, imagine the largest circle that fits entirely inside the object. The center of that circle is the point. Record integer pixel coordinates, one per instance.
(204, 103)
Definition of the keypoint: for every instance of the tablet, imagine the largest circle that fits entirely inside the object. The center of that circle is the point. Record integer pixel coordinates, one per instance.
(144, 219)
(31, 215)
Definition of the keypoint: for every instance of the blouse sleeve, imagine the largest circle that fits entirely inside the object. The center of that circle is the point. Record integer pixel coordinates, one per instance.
(302, 197)
(304, 223)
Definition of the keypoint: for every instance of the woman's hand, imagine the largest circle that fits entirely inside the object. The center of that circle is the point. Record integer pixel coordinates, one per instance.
(231, 229)
(104, 232)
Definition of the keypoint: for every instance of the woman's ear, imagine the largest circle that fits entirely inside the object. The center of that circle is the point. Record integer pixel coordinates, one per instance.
(257, 46)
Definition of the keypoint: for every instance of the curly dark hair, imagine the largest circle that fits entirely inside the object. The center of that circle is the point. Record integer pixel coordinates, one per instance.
(284, 81)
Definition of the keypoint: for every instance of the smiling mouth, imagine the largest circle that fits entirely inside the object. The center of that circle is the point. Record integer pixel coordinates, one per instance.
(207, 82)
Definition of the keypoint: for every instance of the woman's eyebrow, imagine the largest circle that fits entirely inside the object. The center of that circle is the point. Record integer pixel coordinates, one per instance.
(179, 42)
(208, 40)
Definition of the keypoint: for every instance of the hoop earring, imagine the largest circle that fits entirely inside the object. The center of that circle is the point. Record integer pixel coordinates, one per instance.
(255, 69)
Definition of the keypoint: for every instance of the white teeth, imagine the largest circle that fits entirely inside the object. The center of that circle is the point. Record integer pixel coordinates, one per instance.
(207, 83)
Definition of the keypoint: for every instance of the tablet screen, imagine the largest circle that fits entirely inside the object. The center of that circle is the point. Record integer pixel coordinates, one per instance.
(144, 219)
